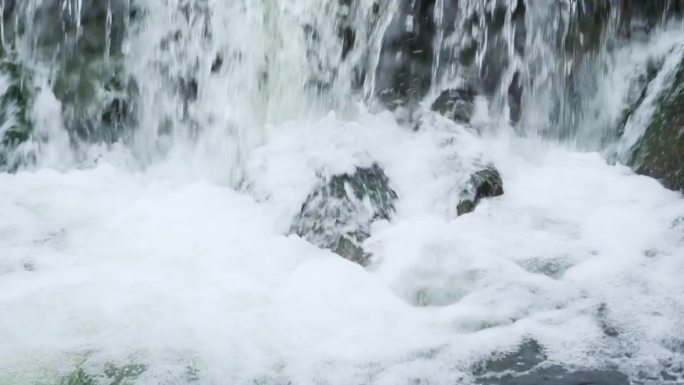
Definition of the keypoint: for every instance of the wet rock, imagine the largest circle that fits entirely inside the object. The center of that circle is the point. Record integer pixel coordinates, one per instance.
(56, 27)
(348, 40)
(404, 71)
(338, 214)
(638, 89)
(456, 104)
(515, 93)
(639, 17)
(345, 31)
(483, 184)
(96, 109)
(15, 109)
(529, 355)
(117, 115)
(217, 64)
(82, 42)
(660, 153)
(480, 46)
(528, 366)
(189, 89)
(8, 8)
(587, 27)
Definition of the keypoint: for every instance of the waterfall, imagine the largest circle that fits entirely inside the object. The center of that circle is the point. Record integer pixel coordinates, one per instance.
(200, 81)
(341, 191)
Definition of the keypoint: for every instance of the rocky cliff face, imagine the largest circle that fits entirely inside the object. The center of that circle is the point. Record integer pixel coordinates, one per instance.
(660, 153)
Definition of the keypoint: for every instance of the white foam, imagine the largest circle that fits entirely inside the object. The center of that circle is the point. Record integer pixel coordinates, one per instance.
(137, 267)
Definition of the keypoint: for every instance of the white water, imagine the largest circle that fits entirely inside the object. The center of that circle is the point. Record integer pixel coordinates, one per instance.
(153, 256)
(136, 267)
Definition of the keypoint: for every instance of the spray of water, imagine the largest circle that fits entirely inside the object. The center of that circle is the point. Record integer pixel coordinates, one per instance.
(142, 235)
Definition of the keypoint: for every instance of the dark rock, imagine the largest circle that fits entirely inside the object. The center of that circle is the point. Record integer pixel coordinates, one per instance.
(84, 52)
(638, 89)
(405, 69)
(529, 355)
(660, 153)
(117, 115)
(338, 214)
(484, 36)
(217, 64)
(15, 111)
(483, 184)
(348, 40)
(95, 109)
(8, 8)
(57, 30)
(515, 92)
(639, 17)
(528, 366)
(585, 31)
(345, 31)
(456, 104)
(189, 89)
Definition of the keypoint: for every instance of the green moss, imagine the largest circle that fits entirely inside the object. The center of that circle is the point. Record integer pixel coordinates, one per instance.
(660, 153)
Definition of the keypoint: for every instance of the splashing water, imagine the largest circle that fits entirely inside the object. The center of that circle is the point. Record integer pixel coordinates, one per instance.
(151, 249)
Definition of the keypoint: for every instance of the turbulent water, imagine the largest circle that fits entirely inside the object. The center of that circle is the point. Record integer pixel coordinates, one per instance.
(157, 241)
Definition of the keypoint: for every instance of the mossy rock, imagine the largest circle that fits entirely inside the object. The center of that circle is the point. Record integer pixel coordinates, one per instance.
(456, 104)
(660, 153)
(86, 57)
(15, 109)
(483, 184)
(338, 214)
(97, 97)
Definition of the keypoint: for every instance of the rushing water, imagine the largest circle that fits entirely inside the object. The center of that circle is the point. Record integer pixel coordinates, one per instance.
(158, 243)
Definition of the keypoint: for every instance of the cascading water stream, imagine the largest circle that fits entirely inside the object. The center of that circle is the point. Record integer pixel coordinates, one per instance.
(174, 171)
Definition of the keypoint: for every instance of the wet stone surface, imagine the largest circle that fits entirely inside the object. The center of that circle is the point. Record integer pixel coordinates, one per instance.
(338, 214)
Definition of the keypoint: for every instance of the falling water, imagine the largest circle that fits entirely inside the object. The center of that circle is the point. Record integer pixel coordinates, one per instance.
(156, 152)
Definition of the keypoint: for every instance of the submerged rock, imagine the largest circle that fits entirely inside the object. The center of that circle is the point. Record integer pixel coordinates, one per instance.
(456, 104)
(660, 153)
(486, 183)
(338, 214)
(112, 375)
(529, 366)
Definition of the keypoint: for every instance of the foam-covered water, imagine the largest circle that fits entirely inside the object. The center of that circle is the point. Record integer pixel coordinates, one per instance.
(166, 249)
(108, 266)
